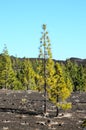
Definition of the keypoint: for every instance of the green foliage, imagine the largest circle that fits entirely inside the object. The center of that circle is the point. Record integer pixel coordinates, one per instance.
(64, 105)
(7, 75)
(39, 75)
(77, 74)
(84, 124)
(27, 74)
(59, 90)
(81, 79)
(67, 78)
(18, 86)
(16, 73)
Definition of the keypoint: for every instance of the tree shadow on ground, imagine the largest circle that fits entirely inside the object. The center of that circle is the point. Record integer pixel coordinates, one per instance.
(20, 111)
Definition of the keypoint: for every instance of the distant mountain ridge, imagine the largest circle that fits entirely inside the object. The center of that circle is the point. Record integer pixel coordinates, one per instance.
(78, 60)
(73, 59)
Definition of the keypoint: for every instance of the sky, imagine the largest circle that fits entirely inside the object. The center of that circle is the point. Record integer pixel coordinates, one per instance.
(21, 26)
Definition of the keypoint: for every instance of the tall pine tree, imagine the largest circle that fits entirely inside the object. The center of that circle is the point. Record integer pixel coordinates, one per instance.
(55, 87)
(7, 75)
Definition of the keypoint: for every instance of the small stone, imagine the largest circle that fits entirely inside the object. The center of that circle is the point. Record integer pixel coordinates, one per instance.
(5, 128)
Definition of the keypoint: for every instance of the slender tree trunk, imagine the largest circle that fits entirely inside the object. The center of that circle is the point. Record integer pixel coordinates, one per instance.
(45, 99)
(57, 110)
(27, 87)
(45, 92)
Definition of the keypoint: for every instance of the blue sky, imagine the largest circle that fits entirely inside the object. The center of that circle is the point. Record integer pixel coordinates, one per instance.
(21, 26)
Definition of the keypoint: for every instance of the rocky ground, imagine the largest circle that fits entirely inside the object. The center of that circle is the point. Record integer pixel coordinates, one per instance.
(22, 110)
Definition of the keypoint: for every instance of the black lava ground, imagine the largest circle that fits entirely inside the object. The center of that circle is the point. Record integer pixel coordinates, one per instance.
(23, 110)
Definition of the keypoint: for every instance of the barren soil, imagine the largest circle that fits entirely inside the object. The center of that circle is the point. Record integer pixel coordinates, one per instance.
(22, 110)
